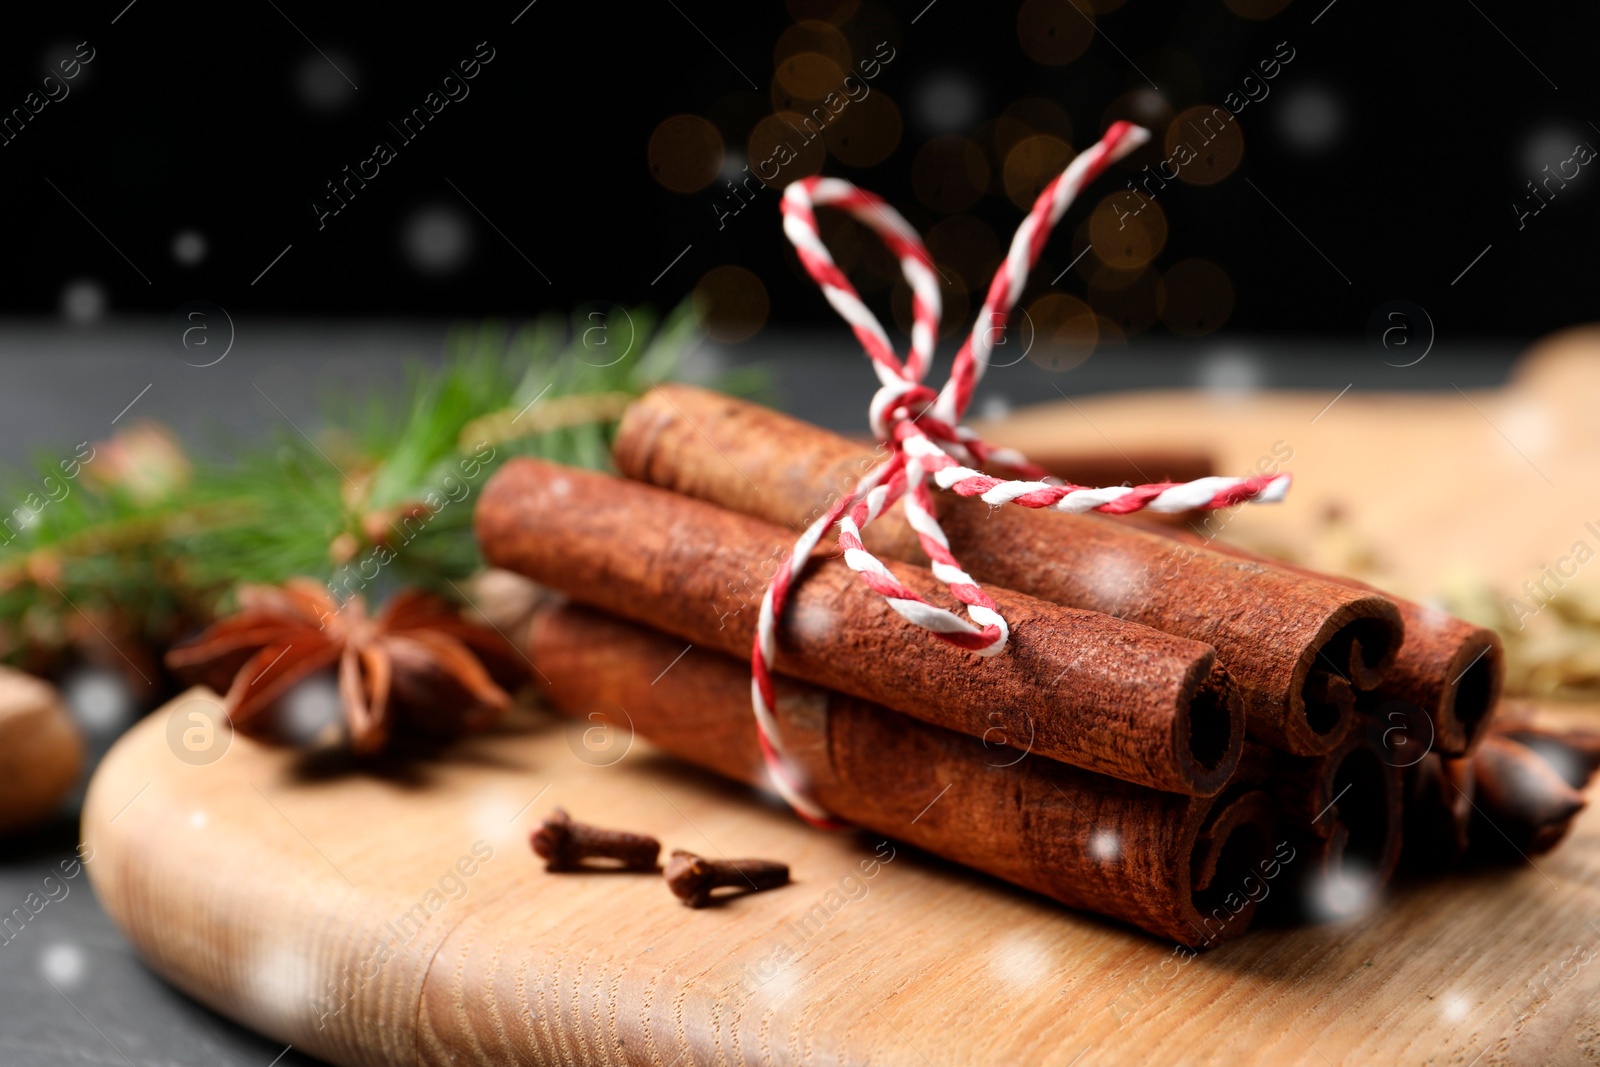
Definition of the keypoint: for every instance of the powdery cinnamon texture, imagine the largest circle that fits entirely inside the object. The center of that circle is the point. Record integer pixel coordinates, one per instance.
(1299, 648)
(1180, 867)
(1099, 693)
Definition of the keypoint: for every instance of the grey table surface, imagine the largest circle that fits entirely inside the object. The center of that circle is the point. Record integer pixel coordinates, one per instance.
(71, 989)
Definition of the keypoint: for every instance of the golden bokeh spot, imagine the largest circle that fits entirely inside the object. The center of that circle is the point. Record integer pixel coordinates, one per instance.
(966, 246)
(1124, 297)
(999, 136)
(1256, 9)
(1127, 230)
(685, 153)
(1031, 164)
(866, 132)
(1040, 115)
(805, 79)
(1054, 32)
(732, 304)
(1195, 298)
(955, 300)
(837, 12)
(813, 36)
(780, 152)
(865, 260)
(949, 174)
(1065, 331)
(1204, 144)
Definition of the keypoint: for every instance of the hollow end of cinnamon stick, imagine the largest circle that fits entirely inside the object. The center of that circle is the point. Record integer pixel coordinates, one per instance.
(1231, 866)
(1469, 685)
(1209, 730)
(1344, 814)
(1351, 654)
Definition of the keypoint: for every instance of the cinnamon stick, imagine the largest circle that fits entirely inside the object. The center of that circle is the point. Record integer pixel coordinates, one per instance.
(1187, 868)
(1344, 809)
(1100, 693)
(1299, 648)
(1449, 668)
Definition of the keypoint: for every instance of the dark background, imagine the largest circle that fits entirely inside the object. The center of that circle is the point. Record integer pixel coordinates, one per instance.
(1396, 142)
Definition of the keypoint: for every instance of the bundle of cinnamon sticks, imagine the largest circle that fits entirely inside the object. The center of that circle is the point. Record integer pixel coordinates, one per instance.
(1174, 733)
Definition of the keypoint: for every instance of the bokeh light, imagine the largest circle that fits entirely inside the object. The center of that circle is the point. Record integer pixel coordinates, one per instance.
(732, 304)
(685, 153)
(83, 302)
(100, 700)
(1205, 144)
(311, 711)
(1548, 145)
(1229, 373)
(66, 52)
(1054, 32)
(865, 260)
(1031, 164)
(949, 174)
(1065, 331)
(866, 133)
(1310, 118)
(1127, 231)
(780, 152)
(63, 965)
(1040, 115)
(1128, 298)
(1195, 298)
(437, 239)
(189, 247)
(813, 35)
(803, 80)
(320, 85)
(946, 101)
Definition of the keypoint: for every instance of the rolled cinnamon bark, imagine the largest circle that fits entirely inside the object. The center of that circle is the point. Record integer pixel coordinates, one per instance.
(1099, 693)
(1298, 648)
(1187, 868)
(1344, 809)
(1449, 668)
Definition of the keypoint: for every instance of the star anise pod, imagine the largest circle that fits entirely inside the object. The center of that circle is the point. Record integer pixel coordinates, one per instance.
(415, 665)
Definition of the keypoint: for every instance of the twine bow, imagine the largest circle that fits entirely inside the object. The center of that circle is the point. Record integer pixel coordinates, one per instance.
(922, 429)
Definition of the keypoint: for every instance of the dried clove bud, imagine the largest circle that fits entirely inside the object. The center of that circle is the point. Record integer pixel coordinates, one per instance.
(565, 844)
(692, 878)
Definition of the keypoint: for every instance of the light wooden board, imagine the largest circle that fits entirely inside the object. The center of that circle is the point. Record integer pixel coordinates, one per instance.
(258, 882)
(1492, 484)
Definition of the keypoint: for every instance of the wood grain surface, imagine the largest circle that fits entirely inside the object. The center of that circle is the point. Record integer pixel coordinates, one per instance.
(333, 908)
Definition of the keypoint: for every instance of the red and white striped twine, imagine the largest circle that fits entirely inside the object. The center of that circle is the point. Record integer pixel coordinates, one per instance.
(923, 431)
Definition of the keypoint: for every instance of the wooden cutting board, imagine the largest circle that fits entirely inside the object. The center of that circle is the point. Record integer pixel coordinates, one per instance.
(1489, 484)
(399, 917)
